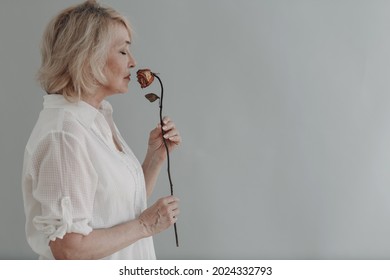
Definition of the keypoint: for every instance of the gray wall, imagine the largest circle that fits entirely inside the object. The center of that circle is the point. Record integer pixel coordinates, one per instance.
(284, 111)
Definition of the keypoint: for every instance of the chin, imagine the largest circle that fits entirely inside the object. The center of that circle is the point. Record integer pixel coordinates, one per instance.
(122, 90)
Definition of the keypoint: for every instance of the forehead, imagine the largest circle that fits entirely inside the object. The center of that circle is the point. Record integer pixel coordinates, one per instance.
(120, 35)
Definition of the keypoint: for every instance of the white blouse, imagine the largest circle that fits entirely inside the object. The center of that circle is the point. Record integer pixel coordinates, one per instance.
(76, 180)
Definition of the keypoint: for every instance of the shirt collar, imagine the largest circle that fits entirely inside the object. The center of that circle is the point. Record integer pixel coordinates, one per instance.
(83, 111)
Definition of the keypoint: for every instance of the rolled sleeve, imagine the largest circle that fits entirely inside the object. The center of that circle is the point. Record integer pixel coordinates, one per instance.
(56, 227)
(64, 186)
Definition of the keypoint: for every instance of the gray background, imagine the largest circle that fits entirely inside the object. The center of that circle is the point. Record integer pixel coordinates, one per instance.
(284, 111)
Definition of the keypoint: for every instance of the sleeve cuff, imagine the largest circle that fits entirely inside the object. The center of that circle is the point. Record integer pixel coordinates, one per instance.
(56, 227)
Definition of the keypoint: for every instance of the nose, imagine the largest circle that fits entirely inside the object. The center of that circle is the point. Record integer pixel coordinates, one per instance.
(131, 63)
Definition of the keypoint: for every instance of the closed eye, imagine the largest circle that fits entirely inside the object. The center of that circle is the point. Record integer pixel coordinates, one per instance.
(124, 53)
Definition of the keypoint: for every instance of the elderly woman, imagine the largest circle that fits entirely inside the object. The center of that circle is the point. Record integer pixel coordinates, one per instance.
(84, 190)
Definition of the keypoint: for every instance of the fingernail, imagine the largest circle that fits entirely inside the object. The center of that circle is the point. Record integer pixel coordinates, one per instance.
(165, 127)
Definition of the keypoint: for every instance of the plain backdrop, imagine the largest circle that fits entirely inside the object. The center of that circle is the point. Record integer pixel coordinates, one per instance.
(284, 110)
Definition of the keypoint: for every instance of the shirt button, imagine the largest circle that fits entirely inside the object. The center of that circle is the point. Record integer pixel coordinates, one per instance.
(66, 202)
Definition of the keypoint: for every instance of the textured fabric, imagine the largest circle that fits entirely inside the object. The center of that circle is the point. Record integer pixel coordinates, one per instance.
(75, 179)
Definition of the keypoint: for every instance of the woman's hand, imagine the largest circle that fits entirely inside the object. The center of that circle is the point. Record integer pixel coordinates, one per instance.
(160, 215)
(172, 137)
(106, 241)
(156, 153)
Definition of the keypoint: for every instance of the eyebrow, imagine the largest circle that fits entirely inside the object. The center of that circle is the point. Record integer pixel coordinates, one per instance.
(125, 43)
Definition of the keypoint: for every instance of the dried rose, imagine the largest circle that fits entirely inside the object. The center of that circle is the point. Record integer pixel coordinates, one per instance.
(145, 77)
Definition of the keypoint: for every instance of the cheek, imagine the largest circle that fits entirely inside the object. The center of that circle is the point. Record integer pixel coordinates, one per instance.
(113, 76)
(111, 71)
(114, 66)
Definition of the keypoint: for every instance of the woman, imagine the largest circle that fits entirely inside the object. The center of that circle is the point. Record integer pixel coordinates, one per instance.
(84, 191)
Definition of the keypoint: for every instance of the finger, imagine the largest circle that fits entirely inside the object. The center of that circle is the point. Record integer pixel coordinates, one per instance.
(173, 199)
(173, 220)
(169, 126)
(173, 206)
(175, 140)
(171, 132)
(176, 212)
(169, 199)
(169, 211)
(166, 119)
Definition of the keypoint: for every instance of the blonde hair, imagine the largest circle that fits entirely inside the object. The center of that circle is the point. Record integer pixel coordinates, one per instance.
(74, 49)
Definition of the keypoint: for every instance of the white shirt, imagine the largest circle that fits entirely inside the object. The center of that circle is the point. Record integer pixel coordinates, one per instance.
(76, 180)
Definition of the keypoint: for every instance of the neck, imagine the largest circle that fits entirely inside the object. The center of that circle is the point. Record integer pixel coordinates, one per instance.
(94, 100)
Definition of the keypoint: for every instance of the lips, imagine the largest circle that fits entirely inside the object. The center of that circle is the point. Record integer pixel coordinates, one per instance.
(127, 77)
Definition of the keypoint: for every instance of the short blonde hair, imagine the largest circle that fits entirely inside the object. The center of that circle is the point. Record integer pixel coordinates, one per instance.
(74, 49)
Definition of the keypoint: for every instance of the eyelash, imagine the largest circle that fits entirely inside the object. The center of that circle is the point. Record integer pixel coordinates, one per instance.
(124, 53)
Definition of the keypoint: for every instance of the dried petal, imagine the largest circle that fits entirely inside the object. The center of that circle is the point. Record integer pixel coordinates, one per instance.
(152, 97)
(145, 77)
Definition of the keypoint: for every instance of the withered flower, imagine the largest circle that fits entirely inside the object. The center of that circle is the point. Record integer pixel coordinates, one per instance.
(145, 78)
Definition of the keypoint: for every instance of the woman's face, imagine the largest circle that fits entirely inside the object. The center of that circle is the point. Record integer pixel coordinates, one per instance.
(119, 62)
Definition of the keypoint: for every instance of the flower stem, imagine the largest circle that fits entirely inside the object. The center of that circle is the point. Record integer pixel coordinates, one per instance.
(166, 148)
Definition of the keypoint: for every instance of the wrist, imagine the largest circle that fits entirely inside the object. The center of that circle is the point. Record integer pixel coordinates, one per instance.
(144, 228)
(152, 161)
